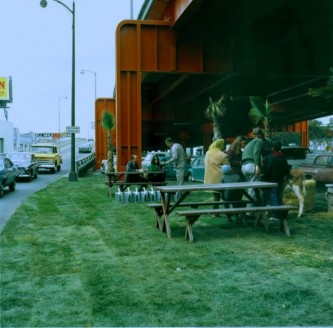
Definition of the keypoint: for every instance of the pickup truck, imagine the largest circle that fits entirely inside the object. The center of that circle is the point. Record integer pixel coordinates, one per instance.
(47, 156)
(321, 170)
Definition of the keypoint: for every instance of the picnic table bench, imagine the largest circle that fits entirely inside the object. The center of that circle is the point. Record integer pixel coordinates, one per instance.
(158, 207)
(193, 215)
(257, 205)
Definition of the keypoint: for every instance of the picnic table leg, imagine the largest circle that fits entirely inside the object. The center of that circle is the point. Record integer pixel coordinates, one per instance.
(188, 231)
(263, 218)
(159, 221)
(109, 178)
(284, 227)
(166, 204)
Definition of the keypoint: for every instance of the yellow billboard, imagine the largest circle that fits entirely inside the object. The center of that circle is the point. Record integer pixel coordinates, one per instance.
(5, 89)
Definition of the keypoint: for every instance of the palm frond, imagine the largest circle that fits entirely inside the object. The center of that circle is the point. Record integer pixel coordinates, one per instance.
(215, 111)
(107, 121)
(260, 113)
(325, 91)
(260, 109)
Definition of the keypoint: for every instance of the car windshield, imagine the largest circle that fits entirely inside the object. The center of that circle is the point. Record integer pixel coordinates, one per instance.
(41, 149)
(18, 157)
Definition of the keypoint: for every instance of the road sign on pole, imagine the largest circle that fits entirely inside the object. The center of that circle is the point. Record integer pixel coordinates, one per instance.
(72, 129)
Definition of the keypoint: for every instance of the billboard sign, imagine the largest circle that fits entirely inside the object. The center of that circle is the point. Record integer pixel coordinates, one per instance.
(6, 89)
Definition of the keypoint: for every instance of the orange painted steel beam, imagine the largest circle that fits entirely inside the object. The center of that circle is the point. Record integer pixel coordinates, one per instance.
(140, 46)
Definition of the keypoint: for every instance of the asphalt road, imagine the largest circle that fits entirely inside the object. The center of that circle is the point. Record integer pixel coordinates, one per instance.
(12, 200)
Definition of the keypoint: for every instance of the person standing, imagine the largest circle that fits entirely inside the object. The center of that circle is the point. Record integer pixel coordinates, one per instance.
(235, 155)
(252, 159)
(215, 157)
(179, 159)
(276, 169)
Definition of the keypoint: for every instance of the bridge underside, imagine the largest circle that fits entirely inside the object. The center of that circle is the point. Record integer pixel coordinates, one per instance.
(166, 71)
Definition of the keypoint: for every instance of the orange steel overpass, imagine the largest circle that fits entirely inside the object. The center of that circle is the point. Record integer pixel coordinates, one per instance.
(181, 52)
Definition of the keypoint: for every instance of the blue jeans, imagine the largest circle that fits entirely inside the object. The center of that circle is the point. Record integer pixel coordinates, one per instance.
(276, 198)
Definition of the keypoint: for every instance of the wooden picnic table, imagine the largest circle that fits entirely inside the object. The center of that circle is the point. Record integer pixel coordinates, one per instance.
(184, 191)
(118, 179)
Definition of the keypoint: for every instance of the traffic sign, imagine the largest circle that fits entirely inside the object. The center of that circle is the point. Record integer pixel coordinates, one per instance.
(72, 129)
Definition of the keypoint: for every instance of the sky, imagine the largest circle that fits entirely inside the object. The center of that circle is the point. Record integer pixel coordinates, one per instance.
(36, 51)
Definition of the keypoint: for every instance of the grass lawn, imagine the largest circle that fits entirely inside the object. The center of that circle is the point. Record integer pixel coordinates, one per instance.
(72, 257)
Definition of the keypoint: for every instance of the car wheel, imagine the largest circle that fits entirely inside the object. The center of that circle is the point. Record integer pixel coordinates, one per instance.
(1, 191)
(12, 186)
(189, 177)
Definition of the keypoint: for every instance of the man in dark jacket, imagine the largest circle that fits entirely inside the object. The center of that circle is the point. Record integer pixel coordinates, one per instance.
(276, 169)
(132, 166)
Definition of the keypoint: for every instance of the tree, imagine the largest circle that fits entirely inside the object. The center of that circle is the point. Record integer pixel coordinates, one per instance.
(260, 114)
(107, 125)
(316, 130)
(215, 111)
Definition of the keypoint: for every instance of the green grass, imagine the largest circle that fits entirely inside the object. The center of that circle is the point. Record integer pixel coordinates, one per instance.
(71, 256)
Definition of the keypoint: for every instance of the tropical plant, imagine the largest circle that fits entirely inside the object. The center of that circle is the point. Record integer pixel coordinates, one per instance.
(215, 111)
(325, 91)
(260, 113)
(107, 125)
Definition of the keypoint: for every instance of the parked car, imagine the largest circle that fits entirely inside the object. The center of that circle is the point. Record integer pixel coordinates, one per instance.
(197, 169)
(85, 147)
(162, 155)
(26, 164)
(8, 175)
(295, 155)
(321, 170)
(170, 172)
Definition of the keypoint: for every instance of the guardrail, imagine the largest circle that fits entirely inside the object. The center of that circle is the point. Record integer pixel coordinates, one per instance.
(84, 164)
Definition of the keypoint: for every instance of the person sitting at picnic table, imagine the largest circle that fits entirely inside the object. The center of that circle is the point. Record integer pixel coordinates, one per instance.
(133, 166)
(156, 170)
(231, 176)
(215, 157)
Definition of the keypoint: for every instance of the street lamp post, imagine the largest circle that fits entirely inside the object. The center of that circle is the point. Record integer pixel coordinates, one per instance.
(94, 73)
(72, 173)
(59, 127)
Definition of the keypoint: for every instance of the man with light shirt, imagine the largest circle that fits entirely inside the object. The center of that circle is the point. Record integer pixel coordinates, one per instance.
(179, 159)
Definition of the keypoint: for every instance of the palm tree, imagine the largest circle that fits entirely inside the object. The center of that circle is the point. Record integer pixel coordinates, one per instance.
(215, 111)
(260, 114)
(107, 125)
(326, 91)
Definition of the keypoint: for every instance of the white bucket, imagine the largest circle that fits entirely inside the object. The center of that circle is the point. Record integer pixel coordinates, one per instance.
(119, 196)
